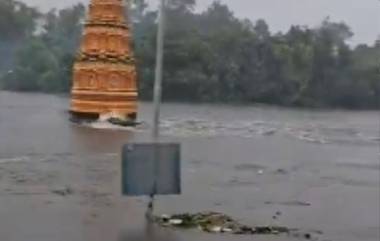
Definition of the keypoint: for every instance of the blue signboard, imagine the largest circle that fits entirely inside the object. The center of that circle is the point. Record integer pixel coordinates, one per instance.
(151, 169)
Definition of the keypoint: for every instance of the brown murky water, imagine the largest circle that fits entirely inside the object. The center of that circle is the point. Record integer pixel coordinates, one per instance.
(60, 181)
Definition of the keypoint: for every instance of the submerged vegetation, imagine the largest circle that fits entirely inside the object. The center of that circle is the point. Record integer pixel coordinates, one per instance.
(209, 56)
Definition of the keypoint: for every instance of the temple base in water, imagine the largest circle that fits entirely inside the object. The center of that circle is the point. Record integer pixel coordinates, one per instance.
(104, 105)
(82, 118)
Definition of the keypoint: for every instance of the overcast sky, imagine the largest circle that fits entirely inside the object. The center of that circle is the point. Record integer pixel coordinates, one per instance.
(362, 15)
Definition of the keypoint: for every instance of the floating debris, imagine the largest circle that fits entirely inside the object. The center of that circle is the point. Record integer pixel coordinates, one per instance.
(213, 222)
(175, 221)
(64, 191)
(268, 132)
(307, 236)
(290, 203)
(227, 230)
(121, 122)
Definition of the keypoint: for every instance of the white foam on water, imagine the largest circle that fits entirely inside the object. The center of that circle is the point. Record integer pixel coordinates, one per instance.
(105, 125)
(316, 133)
(14, 159)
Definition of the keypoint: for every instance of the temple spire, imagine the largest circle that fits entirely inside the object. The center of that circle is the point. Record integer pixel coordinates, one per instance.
(104, 81)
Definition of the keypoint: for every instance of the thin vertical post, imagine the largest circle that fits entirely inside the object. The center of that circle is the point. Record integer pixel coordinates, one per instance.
(158, 71)
(157, 100)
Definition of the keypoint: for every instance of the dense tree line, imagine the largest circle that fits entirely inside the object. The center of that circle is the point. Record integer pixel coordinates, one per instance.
(209, 56)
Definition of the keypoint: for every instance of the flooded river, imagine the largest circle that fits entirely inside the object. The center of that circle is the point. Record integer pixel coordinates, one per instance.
(320, 170)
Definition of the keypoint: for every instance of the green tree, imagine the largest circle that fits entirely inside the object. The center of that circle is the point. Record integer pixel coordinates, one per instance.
(17, 23)
(44, 62)
(209, 56)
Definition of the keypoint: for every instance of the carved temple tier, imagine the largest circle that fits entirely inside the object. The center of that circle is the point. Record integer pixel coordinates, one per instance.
(104, 79)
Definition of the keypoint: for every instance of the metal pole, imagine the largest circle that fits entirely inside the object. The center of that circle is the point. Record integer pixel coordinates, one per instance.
(157, 99)
(158, 71)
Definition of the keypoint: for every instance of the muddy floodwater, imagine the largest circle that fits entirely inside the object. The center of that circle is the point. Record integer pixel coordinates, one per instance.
(317, 171)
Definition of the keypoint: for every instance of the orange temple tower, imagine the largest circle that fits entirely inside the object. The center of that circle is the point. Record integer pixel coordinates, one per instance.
(104, 81)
